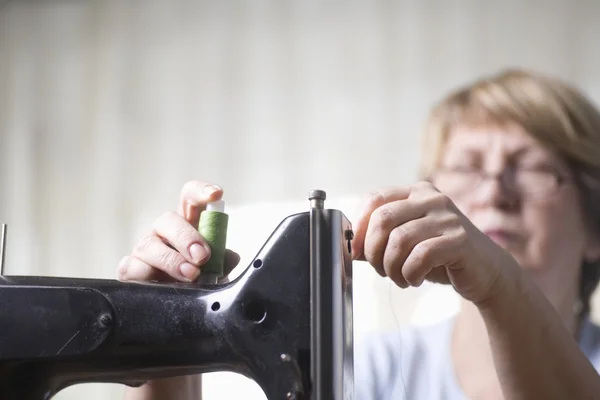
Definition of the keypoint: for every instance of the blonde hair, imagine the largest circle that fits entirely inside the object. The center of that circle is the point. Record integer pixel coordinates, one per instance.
(553, 112)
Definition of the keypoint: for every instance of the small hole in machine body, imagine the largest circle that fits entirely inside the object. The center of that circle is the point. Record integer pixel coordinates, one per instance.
(255, 311)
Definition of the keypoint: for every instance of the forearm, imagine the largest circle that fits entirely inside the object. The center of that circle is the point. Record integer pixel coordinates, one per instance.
(180, 388)
(534, 353)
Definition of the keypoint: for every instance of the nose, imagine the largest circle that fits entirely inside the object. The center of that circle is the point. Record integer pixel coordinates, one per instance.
(494, 191)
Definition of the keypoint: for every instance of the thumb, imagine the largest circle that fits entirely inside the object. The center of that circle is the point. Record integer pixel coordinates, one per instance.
(194, 197)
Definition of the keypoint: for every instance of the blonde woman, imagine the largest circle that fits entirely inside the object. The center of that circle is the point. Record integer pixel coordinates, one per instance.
(508, 213)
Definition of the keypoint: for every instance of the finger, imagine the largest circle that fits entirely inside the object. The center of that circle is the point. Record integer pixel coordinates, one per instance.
(438, 275)
(426, 256)
(194, 197)
(379, 271)
(401, 242)
(373, 202)
(154, 252)
(179, 233)
(133, 269)
(383, 221)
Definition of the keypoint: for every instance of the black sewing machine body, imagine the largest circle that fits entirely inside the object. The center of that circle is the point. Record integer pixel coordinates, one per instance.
(285, 322)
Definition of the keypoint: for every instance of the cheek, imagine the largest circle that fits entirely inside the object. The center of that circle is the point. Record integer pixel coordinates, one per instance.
(556, 237)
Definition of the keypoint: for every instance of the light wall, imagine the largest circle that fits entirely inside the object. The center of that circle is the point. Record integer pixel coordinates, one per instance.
(108, 107)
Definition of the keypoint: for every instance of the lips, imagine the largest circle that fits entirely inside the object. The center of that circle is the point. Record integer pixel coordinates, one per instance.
(502, 236)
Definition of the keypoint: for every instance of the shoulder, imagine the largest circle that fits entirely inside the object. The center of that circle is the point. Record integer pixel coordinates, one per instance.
(589, 341)
(401, 363)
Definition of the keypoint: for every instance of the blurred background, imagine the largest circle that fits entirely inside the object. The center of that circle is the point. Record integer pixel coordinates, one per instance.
(108, 107)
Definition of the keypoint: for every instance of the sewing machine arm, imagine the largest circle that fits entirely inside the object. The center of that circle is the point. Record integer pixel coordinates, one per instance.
(285, 322)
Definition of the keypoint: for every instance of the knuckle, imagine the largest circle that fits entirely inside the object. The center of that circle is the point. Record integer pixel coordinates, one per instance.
(450, 220)
(122, 268)
(193, 185)
(426, 185)
(419, 188)
(165, 222)
(461, 237)
(190, 187)
(393, 260)
(422, 252)
(398, 238)
(437, 200)
(167, 216)
(144, 245)
(376, 198)
(385, 216)
(182, 236)
(170, 261)
(443, 200)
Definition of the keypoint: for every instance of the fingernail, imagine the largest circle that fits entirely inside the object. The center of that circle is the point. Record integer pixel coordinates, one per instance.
(403, 284)
(198, 253)
(189, 271)
(210, 189)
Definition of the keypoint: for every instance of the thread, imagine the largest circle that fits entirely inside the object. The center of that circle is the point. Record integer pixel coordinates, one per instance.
(213, 228)
(399, 334)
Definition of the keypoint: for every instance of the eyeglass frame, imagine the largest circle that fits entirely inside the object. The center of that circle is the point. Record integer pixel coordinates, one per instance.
(559, 179)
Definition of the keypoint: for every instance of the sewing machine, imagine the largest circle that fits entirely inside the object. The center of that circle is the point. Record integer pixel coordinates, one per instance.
(285, 322)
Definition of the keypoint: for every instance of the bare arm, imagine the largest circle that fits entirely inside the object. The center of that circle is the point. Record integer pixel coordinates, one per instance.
(535, 355)
(414, 233)
(181, 388)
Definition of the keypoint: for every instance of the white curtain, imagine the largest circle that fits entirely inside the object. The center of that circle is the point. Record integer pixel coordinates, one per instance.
(108, 107)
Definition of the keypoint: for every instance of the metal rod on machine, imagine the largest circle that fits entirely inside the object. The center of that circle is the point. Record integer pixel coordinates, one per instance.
(2, 249)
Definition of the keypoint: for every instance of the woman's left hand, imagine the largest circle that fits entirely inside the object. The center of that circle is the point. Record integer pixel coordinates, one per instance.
(416, 233)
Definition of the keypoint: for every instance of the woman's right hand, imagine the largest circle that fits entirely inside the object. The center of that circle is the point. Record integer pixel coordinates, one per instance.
(173, 249)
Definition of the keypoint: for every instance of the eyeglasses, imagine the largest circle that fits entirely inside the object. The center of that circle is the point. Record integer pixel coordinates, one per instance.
(521, 181)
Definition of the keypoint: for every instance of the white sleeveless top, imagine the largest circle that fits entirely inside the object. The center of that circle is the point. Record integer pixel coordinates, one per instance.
(415, 364)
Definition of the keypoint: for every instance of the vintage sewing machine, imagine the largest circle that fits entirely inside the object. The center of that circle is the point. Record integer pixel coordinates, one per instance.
(285, 322)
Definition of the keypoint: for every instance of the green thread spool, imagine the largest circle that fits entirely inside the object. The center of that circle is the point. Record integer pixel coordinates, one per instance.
(213, 227)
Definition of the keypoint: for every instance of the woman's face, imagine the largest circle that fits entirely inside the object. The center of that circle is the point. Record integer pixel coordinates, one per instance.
(512, 189)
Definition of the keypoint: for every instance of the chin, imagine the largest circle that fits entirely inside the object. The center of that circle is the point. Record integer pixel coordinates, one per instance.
(523, 262)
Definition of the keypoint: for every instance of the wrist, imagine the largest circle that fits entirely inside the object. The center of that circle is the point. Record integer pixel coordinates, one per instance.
(503, 288)
(181, 387)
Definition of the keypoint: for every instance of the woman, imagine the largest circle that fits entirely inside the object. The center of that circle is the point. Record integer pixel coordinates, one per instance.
(507, 214)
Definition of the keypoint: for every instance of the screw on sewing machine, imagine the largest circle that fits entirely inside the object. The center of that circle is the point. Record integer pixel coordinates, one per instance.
(317, 198)
(291, 396)
(106, 320)
(349, 236)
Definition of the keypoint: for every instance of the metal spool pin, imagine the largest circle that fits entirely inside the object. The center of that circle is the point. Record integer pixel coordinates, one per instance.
(2, 249)
(317, 198)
